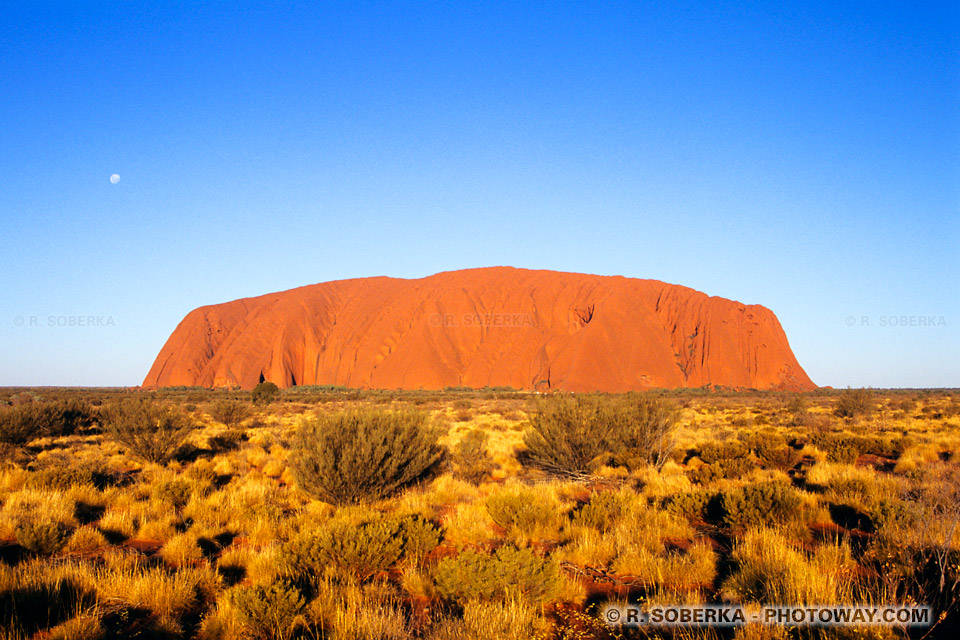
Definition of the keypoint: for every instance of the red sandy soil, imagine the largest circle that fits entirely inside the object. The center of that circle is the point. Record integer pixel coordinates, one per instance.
(494, 327)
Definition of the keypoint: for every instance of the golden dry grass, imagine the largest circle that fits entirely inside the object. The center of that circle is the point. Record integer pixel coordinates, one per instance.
(164, 549)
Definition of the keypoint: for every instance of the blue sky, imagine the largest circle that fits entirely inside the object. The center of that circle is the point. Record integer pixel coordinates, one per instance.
(802, 157)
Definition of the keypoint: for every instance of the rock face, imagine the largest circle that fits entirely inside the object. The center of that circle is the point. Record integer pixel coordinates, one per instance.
(482, 327)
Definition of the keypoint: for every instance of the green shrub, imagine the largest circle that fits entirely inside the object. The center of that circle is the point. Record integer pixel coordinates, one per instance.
(363, 455)
(569, 435)
(61, 478)
(470, 459)
(891, 518)
(520, 507)
(706, 474)
(644, 430)
(714, 452)
(69, 417)
(22, 423)
(693, 505)
(508, 572)
(767, 503)
(175, 492)
(43, 537)
(839, 447)
(149, 430)
(268, 612)
(264, 393)
(17, 425)
(776, 455)
(420, 537)
(730, 459)
(797, 409)
(229, 412)
(362, 550)
(603, 511)
(853, 403)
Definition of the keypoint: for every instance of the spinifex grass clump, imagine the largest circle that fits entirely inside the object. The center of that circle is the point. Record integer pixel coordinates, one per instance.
(151, 431)
(363, 455)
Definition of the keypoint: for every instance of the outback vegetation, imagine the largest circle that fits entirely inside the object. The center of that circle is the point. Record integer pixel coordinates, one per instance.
(323, 512)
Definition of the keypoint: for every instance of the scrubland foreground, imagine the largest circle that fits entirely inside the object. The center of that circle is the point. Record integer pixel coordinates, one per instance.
(331, 513)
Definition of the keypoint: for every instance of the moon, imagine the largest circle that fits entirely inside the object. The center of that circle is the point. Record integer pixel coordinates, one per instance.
(114, 179)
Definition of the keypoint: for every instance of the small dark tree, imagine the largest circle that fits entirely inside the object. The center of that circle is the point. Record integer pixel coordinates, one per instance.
(151, 431)
(264, 393)
(363, 455)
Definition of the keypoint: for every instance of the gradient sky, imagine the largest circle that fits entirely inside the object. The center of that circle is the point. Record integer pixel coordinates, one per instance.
(803, 157)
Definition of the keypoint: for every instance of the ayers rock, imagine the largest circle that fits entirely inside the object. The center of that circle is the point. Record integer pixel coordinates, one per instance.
(482, 327)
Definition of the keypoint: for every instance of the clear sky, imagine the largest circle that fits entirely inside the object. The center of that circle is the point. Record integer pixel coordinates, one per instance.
(802, 157)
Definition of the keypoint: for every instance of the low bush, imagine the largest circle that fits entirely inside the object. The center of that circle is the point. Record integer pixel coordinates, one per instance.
(175, 492)
(509, 572)
(264, 393)
(469, 458)
(721, 452)
(854, 403)
(24, 422)
(359, 551)
(839, 447)
(776, 455)
(363, 455)
(150, 431)
(797, 411)
(62, 478)
(693, 505)
(891, 518)
(521, 507)
(17, 425)
(767, 503)
(569, 435)
(644, 430)
(229, 412)
(42, 537)
(730, 459)
(603, 511)
(268, 612)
